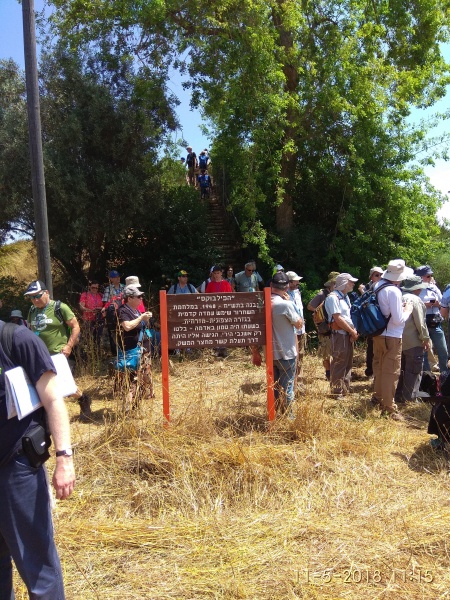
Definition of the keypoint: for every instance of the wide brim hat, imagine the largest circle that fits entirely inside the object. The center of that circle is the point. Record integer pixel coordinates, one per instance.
(132, 280)
(423, 270)
(413, 283)
(397, 271)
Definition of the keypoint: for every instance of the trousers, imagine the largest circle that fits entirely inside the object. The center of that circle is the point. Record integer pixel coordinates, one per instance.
(341, 363)
(387, 352)
(26, 532)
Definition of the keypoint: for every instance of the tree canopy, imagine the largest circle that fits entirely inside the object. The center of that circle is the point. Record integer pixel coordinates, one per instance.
(309, 106)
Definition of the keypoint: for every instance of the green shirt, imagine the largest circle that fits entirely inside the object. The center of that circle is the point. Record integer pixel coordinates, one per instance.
(44, 323)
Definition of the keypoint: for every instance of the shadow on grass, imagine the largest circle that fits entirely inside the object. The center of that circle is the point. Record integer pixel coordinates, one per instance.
(425, 458)
(252, 388)
(242, 424)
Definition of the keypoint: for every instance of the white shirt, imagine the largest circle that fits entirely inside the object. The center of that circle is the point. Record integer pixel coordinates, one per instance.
(296, 299)
(338, 303)
(391, 303)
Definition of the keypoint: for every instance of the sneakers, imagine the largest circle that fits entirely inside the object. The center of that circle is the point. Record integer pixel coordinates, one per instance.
(327, 375)
(85, 407)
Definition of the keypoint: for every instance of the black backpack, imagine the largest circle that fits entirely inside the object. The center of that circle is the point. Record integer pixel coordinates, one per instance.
(111, 316)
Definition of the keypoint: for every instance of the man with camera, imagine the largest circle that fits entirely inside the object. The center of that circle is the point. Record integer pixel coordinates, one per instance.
(26, 529)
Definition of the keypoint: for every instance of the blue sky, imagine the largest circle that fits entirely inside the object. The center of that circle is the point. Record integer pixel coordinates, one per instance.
(11, 46)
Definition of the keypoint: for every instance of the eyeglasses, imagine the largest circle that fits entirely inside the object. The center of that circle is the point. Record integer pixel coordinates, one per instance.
(37, 296)
(428, 276)
(94, 287)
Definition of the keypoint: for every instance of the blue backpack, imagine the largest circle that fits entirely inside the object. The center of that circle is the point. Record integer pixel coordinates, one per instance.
(366, 314)
(203, 161)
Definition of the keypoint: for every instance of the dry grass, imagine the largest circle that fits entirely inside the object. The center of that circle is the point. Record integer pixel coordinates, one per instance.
(219, 506)
(19, 260)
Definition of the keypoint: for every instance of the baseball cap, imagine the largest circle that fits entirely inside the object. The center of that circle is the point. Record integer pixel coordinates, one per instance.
(35, 287)
(113, 274)
(280, 280)
(132, 291)
(343, 279)
(292, 276)
(182, 272)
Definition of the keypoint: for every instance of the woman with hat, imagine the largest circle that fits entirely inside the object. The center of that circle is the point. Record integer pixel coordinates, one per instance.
(133, 355)
(431, 297)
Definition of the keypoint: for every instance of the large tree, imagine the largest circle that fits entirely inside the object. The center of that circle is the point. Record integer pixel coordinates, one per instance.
(112, 200)
(308, 101)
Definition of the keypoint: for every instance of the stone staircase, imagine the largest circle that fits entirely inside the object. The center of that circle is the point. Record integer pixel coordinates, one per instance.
(224, 231)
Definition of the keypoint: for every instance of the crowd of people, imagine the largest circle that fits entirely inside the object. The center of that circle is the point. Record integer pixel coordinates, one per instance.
(414, 308)
(411, 302)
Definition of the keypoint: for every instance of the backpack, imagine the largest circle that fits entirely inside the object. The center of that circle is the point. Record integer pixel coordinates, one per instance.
(366, 314)
(203, 161)
(191, 159)
(111, 312)
(320, 318)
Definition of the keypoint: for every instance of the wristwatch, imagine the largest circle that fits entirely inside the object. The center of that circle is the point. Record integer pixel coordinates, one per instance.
(66, 452)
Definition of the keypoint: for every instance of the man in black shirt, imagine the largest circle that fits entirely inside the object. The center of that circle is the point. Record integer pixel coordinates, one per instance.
(26, 530)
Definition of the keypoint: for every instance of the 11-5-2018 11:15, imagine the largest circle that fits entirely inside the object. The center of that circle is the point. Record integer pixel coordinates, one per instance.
(352, 576)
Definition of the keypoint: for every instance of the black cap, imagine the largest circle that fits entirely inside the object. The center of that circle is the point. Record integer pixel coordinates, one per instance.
(280, 280)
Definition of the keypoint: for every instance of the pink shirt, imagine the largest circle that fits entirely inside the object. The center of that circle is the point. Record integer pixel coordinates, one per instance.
(91, 301)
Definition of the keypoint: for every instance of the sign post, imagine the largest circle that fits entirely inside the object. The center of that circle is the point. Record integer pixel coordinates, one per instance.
(216, 320)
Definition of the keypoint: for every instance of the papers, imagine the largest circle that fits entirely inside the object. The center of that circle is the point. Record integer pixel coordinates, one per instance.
(64, 378)
(22, 397)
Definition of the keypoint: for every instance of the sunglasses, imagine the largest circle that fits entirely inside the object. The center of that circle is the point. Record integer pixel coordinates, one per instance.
(376, 274)
(37, 296)
(250, 270)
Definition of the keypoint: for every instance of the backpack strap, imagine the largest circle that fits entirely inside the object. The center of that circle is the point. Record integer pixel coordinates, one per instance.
(7, 338)
(58, 312)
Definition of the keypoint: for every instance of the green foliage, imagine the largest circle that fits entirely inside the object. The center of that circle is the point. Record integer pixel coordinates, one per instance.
(15, 189)
(11, 297)
(309, 105)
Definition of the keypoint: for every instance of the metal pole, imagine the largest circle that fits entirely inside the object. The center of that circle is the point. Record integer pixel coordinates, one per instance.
(34, 132)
